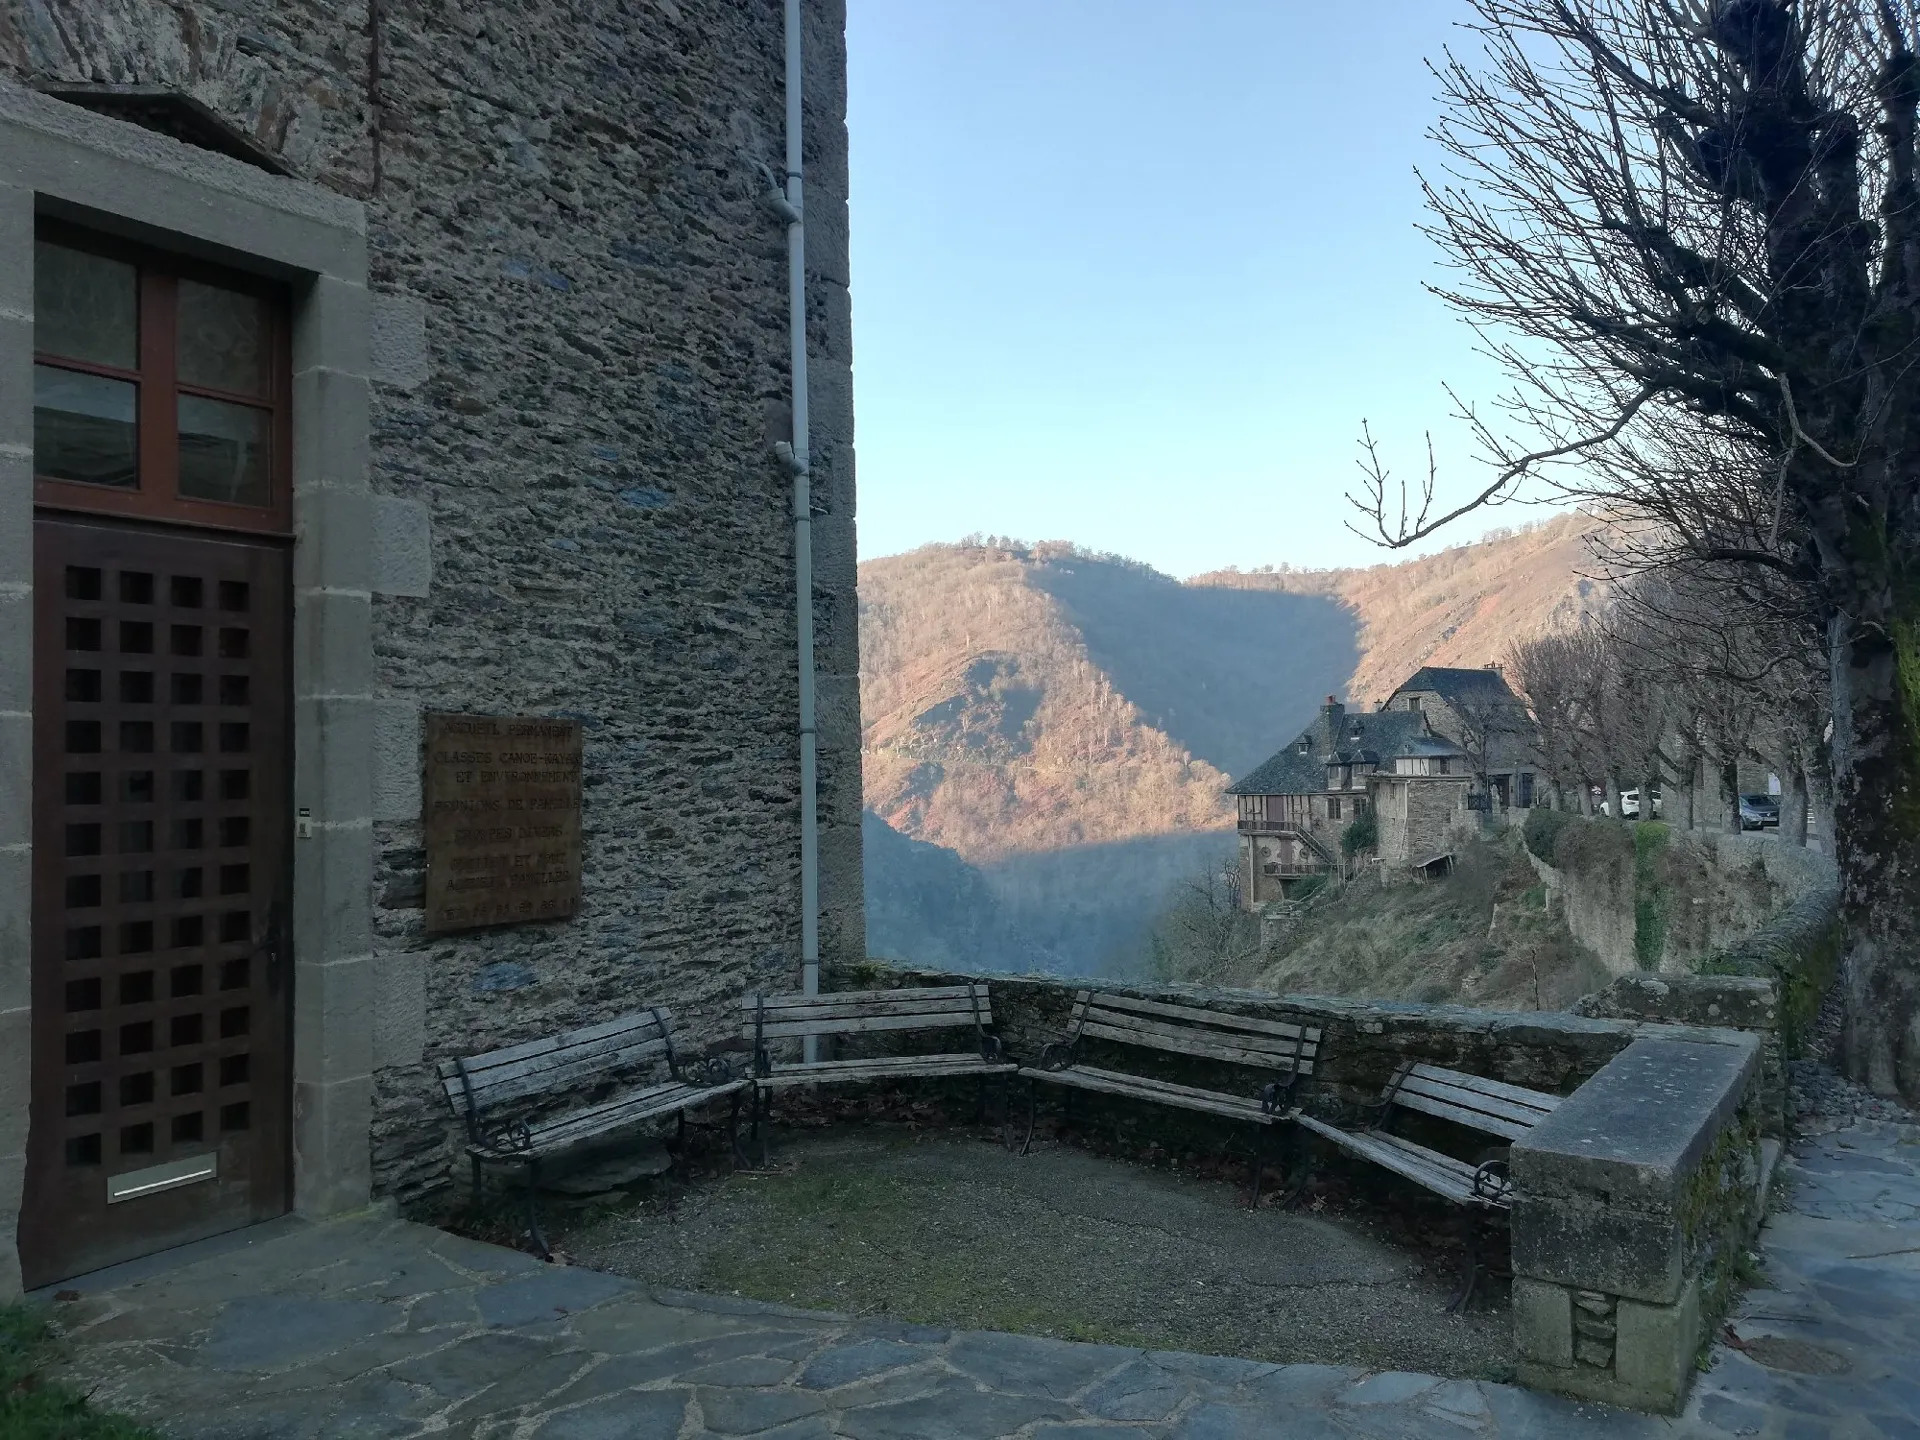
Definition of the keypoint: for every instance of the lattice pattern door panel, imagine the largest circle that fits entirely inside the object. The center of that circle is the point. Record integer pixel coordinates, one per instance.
(161, 974)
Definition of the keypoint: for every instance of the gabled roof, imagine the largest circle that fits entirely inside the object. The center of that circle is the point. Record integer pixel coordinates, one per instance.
(1431, 746)
(1452, 684)
(1366, 737)
(1286, 773)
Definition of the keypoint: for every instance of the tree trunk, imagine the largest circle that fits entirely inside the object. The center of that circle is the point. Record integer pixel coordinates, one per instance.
(1613, 795)
(1876, 789)
(1793, 807)
(1730, 795)
(1687, 785)
(1647, 788)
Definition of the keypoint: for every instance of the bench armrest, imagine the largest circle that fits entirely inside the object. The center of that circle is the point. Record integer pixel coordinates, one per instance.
(1492, 1184)
(510, 1137)
(1276, 1096)
(706, 1072)
(1057, 1055)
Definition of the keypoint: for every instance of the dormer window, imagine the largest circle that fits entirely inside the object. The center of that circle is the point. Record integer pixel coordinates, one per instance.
(1303, 746)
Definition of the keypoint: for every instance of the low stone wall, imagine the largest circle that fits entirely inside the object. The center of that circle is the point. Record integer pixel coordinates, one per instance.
(1632, 1205)
(1736, 1002)
(1362, 1041)
(1798, 950)
(1769, 982)
(1632, 1200)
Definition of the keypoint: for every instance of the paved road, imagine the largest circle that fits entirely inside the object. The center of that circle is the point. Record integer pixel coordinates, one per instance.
(379, 1328)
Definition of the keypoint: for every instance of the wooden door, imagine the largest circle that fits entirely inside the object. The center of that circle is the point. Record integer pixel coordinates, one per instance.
(161, 976)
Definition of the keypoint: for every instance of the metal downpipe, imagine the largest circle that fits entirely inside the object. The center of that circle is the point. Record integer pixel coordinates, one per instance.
(800, 460)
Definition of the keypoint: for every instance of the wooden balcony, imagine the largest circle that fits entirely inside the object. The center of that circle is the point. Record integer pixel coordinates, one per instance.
(1271, 827)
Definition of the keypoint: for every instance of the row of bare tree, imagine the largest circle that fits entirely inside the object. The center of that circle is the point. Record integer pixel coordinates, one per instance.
(1689, 230)
(1681, 689)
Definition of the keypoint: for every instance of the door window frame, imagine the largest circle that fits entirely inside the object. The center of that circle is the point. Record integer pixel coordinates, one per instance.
(157, 496)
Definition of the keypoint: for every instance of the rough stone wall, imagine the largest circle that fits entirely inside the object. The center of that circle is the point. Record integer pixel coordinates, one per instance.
(1417, 818)
(1362, 1041)
(1706, 891)
(580, 348)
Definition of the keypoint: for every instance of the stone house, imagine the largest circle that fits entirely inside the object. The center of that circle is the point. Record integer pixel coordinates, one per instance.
(361, 364)
(1294, 808)
(1479, 712)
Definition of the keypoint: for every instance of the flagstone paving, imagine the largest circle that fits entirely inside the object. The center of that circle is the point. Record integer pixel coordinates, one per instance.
(1829, 1348)
(377, 1328)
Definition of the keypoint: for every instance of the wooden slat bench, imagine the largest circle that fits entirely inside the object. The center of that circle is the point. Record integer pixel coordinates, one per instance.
(1277, 1049)
(508, 1098)
(771, 1019)
(1487, 1107)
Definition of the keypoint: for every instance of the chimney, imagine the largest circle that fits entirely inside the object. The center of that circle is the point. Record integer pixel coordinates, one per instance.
(1333, 721)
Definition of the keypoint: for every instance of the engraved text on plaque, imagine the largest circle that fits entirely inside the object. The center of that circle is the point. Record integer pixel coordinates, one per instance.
(503, 820)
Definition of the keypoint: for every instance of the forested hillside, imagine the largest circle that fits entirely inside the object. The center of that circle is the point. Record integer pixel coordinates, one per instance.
(1065, 723)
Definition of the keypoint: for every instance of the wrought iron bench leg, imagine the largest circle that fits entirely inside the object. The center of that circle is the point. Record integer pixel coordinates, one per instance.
(1260, 1163)
(980, 1100)
(1033, 1109)
(473, 1196)
(533, 1210)
(1289, 1162)
(737, 1156)
(1469, 1259)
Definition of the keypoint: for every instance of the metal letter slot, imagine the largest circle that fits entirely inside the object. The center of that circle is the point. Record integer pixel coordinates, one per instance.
(155, 1178)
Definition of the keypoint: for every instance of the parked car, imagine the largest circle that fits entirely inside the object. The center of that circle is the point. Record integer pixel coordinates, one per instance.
(1759, 812)
(1630, 803)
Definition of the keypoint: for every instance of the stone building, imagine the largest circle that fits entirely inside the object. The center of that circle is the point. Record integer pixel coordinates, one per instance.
(1295, 808)
(1479, 712)
(360, 362)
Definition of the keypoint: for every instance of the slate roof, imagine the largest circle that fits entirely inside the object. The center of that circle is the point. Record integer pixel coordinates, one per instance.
(1374, 736)
(1451, 684)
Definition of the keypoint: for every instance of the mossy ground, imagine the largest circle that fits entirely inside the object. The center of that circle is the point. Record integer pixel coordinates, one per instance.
(32, 1408)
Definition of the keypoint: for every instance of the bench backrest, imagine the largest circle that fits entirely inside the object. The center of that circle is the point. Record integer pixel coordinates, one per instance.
(574, 1060)
(851, 1012)
(1197, 1031)
(1489, 1106)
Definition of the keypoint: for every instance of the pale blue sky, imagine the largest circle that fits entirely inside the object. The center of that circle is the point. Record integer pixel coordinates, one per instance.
(1131, 273)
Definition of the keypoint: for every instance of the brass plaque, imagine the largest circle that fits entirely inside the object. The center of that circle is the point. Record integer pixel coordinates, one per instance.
(503, 820)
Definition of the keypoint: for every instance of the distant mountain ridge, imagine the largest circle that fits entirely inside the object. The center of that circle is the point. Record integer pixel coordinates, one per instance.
(1465, 606)
(1066, 723)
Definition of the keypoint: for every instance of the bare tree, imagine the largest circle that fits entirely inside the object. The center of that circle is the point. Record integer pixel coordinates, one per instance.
(1547, 670)
(1494, 730)
(1691, 230)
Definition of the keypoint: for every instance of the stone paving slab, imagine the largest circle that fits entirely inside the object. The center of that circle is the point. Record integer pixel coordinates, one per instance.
(373, 1327)
(377, 1329)
(1830, 1348)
